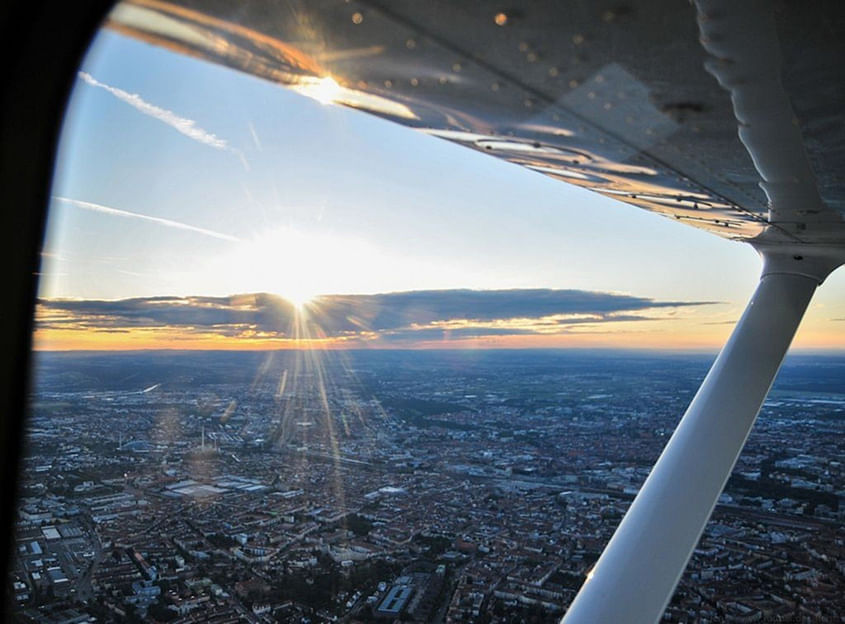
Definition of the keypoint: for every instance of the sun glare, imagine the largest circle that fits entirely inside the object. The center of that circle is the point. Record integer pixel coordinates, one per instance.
(299, 299)
(327, 90)
(296, 265)
(324, 90)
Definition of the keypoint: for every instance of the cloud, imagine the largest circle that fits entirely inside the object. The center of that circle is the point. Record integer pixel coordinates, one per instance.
(391, 317)
(392, 310)
(135, 215)
(552, 326)
(186, 126)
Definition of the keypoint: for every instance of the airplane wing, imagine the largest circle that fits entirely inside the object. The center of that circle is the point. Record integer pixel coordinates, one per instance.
(620, 98)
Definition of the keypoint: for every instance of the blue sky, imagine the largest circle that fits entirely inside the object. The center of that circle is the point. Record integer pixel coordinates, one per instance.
(315, 199)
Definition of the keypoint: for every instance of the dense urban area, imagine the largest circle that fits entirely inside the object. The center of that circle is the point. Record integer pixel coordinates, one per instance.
(378, 486)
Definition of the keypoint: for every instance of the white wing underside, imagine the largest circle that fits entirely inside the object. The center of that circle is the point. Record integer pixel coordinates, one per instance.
(622, 99)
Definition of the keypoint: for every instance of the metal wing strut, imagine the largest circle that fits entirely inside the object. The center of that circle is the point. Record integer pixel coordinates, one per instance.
(636, 575)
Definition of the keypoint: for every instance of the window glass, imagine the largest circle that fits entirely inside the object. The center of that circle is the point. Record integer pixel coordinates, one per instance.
(294, 363)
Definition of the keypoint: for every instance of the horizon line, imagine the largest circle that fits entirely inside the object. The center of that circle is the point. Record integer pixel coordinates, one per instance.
(673, 350)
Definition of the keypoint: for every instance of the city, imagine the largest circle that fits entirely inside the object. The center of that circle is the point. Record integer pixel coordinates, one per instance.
(377, 486)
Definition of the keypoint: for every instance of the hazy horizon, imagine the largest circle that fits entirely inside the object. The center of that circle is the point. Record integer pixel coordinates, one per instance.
(185, 181)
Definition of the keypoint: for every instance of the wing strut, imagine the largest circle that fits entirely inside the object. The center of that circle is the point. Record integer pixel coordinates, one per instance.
(636, 574)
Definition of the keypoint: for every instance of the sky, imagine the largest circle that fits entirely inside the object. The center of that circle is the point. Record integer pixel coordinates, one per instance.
(196, 207)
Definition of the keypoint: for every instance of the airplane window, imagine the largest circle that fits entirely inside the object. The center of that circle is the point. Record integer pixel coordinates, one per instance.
(295, 362)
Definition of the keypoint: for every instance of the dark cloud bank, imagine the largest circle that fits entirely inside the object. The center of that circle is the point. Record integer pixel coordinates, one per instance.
(418, 314)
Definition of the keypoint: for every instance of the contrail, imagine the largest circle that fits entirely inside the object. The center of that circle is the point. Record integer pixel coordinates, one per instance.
(186, 126)
(134, 215)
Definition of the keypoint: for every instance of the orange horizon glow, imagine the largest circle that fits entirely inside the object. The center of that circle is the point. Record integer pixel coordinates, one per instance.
(693, 336)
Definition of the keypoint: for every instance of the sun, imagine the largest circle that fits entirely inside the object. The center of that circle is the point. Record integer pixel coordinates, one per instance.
(299, 298)
(292, 264)
(300, 264)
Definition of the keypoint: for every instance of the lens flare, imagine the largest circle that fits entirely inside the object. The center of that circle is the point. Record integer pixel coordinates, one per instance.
(324, 90)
